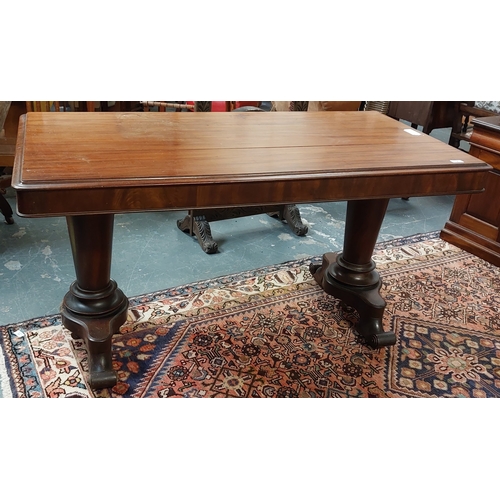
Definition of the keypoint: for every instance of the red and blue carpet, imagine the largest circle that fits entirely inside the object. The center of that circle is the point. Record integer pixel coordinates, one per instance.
(273, 333)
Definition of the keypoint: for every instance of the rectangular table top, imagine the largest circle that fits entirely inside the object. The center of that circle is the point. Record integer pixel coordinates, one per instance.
(72, 163)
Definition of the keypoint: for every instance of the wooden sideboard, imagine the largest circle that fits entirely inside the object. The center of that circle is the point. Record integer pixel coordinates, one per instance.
(475, 218)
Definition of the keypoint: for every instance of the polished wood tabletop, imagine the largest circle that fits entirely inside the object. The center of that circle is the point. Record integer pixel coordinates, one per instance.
(251, 157)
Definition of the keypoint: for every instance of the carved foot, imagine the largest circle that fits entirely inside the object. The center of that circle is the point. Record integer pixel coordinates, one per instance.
(291, 214)
(5, 208)
(101, 373)
(199, 226)
(97, 334)
(370, 328)
(95, 317)
(365, 299)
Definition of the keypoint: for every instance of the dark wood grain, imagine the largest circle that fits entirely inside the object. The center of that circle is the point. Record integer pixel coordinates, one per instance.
(252, 158)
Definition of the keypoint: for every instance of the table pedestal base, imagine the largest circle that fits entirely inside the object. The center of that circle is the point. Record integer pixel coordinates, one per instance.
(365, 299)
(94, 308)
(96, 329)
(351, 276)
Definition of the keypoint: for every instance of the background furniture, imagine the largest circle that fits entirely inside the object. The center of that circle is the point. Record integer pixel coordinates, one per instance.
(474, 223)
(10, 111)
(46, 106)
(83, 106)
(429, 114)
(380, 106)
(7, 146)
(462, 129)
(315, 105)
(164, 105)
(197, 222)
(9, 119)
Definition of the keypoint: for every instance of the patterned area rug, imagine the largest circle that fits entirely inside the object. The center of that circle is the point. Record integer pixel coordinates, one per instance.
(273, 333)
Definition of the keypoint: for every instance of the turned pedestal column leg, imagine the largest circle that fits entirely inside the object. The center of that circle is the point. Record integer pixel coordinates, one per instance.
(94, 308)
(351, 276)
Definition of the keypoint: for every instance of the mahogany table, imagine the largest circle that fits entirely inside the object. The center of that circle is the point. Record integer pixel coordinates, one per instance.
(90, 166)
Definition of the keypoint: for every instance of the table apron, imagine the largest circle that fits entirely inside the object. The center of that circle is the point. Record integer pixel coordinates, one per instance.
(62, 201)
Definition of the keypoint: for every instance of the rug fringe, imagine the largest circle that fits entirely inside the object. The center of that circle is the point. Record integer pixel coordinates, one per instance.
(5, 391)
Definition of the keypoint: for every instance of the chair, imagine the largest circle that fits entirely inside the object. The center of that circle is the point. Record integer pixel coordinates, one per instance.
(428, 114)
(81, 106)
(7, 152)
(5, 207)
(163, 106)
(197, 222)
(57, 106)
(380, 106)
(462, 129)
(316, 105)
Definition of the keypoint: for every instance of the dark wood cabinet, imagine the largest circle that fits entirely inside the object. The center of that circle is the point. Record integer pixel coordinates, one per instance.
(475, 219)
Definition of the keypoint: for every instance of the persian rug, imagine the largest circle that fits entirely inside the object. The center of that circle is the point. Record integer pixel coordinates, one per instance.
(273, 333)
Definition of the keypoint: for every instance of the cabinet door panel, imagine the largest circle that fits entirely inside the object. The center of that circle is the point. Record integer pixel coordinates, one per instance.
(485, 206)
